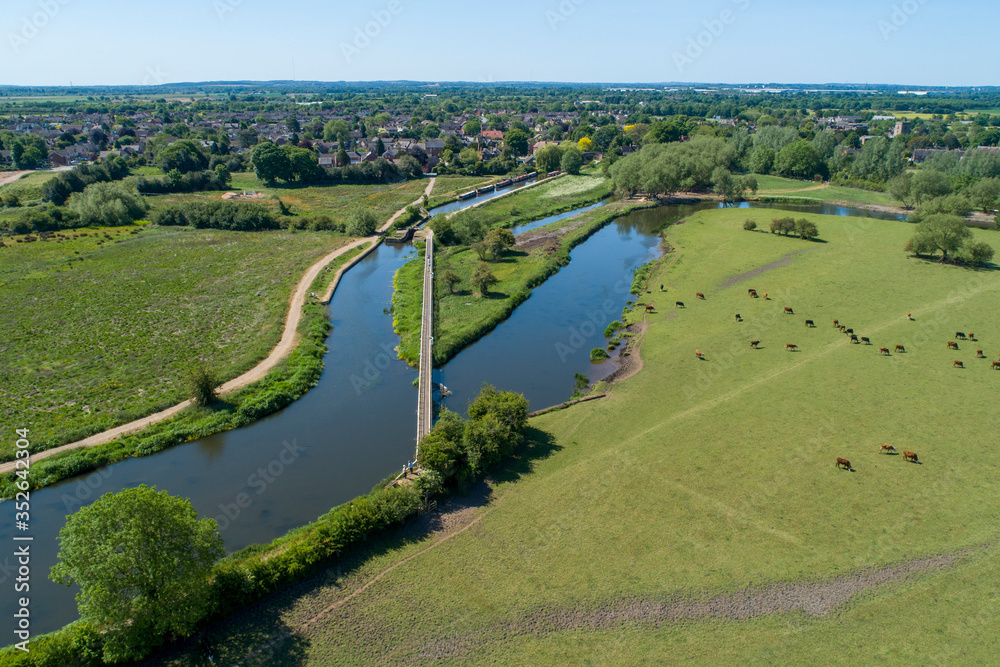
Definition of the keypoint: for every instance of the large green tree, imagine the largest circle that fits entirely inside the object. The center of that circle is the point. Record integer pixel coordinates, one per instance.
(516, 142)
(942, 232)
(184, 155)
(798, 160)
(270, 163)
(142, 560)
(108, 204)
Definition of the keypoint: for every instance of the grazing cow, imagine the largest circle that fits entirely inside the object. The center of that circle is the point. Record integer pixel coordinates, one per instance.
(972, 336)
(755, 343)
(700, 295)
(836, 323)
(650, 307)
(958, 364)
(854, 339)
(900, 348)
(789, 311)
(809, 323)
(791, 346)
(995, 365)
(679, 304)
(884, 350)
(866, 340)
(980, 355)
(699, 354)
(886, 449)
(751, 292)
(738, 318)
(952, 345)
(849, 332)
(959, 334)
(843, 328)
(909, 456)
(844, 463)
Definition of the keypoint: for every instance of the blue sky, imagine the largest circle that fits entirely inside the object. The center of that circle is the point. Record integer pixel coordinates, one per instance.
(915, 42)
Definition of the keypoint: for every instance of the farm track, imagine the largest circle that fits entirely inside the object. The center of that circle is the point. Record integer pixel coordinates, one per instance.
(289, 340)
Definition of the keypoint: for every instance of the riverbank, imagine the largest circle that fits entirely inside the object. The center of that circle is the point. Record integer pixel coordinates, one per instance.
(463, 317)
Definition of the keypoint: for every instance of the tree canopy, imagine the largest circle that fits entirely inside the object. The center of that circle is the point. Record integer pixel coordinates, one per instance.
(142, 560)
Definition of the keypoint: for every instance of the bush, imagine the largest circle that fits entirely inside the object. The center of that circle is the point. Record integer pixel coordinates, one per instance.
(783, 226)
(613, 327)
(203, 385)
(196, 181)
(241, 216)
(108, 204)
(599, 354)
(750, 225)
(361, 222)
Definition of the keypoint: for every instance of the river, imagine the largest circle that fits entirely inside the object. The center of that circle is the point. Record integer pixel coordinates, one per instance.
(357, 425)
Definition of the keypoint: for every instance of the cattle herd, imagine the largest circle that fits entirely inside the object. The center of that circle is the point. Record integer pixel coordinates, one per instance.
(862, 340)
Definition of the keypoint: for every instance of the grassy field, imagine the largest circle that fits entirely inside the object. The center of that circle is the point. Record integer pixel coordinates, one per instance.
(103, 327)
(716, 478)
(29, 188)
(787, 188)
(334, 200)
(561, 194)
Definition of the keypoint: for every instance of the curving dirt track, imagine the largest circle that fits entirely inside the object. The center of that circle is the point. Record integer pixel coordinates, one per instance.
(285, 346)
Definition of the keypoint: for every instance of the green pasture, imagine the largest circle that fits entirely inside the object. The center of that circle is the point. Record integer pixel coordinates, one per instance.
(709, 477)
(104, 326)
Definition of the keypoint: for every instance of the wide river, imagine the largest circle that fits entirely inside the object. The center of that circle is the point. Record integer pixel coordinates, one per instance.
(358, 424)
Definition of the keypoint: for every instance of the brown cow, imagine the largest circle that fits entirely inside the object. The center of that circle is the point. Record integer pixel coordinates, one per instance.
(789, 311)
(752, 292)
(909, 456)
(836, 323)
(843, 328)
(866, 340)
(755, 343)
(809, 323)
(679, 304)
(952, 345)
(650, 307)
(995, 365)
(791, 346)
(884, 350)
(699, 354)
(972, 336)
(980, 355)
(958, 364)
(700, 295)
(886, 449)
(844, 463)
(900, 348)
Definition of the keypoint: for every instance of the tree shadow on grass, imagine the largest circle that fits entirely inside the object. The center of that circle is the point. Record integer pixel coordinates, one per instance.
(262, 630)
(229, 644)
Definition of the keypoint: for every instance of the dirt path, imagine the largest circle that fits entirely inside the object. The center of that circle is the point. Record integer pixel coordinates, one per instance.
(787, 259)
(11, 176)
(289, 339)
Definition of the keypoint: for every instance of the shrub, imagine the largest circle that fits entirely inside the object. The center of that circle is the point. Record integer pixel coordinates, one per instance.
(218, 215)
(108, 204)
(750, 225)
(361, 222)
(203, 385)
(599, 354)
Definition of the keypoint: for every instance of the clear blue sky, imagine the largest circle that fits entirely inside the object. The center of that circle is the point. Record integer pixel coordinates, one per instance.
(917, 42)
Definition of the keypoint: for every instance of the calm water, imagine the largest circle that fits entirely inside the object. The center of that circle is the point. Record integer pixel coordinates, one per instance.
(358, 425)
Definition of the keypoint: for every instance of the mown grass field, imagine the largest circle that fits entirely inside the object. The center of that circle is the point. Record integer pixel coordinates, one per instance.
(105, 327)
(336, 201)
(28, 188)
(703, 478)
(787, 188)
